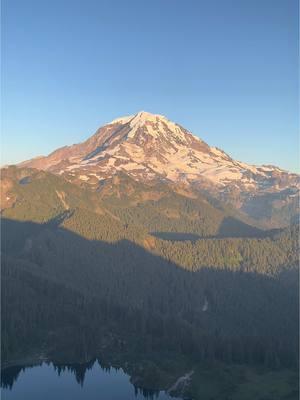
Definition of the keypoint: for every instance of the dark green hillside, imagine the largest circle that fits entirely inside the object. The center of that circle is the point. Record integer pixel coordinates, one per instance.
(160, 208)
(240, 305)
(50, 200)
(44, 197)
(123, 296)
(105, 227)
(270, 255)
(82, 271)
(41, 196)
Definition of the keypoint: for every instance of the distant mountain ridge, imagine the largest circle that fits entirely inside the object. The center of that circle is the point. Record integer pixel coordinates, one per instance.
(150, 148)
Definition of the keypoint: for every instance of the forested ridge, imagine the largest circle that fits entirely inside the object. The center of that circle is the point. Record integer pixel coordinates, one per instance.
(240, 303)
(74, 261)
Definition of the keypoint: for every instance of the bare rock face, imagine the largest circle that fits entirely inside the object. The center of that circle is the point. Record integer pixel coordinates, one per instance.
(149, 147)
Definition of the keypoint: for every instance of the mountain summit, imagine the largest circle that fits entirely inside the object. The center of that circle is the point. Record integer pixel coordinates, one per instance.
(150, 147)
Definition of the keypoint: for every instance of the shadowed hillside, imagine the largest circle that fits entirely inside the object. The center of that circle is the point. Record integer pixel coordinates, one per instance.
(155, 285)
(217, 313)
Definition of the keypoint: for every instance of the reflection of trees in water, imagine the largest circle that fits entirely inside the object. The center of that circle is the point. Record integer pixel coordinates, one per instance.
(79, 369)
(9, 376)
(147, 393)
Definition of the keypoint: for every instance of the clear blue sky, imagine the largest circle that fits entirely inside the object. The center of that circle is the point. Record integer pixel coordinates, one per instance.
(225, 69)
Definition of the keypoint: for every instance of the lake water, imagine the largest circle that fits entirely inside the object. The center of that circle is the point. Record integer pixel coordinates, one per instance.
(44, 382)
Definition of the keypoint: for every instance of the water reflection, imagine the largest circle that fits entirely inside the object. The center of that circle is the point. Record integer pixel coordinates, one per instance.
(51, 381)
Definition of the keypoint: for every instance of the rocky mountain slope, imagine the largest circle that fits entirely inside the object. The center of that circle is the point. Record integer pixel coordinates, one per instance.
(149, 148)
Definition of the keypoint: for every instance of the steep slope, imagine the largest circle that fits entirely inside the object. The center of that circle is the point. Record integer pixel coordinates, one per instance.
(146, 146)
(193, 230)
(121, 203)
(32, 195)
(151, 148)
(168, 211)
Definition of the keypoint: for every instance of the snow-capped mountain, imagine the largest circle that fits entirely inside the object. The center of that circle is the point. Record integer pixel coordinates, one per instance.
(148, 147)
